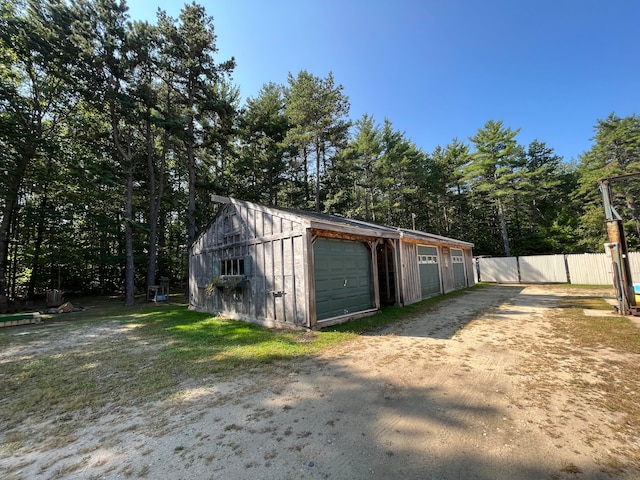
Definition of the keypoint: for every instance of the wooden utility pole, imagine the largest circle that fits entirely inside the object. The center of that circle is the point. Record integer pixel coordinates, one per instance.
(619, 250)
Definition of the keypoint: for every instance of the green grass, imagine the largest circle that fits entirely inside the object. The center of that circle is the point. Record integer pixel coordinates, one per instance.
(613, 332)
(618, 376)
(127, 356)
(390, 315)
(586, 302)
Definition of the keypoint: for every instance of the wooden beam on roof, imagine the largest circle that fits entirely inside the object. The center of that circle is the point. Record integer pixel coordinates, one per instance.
(340, 235)
(219, 199)
(361, 231)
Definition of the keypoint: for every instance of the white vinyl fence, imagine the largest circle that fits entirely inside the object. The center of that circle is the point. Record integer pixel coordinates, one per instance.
(591, 269)
(498, 269)
(543, 269)
(585, 269)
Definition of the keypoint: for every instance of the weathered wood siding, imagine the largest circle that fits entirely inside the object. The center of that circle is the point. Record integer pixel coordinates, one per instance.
(273, 248)
(470, 267)
(446, 269)
(410, 275)
(263, 261)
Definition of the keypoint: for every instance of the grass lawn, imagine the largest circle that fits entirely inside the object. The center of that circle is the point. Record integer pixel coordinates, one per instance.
(619, 339)
(111, 354)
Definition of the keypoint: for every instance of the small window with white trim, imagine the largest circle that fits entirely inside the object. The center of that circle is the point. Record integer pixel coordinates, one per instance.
(456, 256)
(428, 259)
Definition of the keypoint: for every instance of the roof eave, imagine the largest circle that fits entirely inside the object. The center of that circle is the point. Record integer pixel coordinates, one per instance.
(417, 235)
(350, 229)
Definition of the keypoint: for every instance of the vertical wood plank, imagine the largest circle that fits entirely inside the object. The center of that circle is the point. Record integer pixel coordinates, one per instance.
(269, 280)
(278, 279)
(289, 280)
(259, 275)
(300, 280)
(469, 267)
(268, 224)
(410, 280)
(309, 276)
(252, 224)
(374, 270)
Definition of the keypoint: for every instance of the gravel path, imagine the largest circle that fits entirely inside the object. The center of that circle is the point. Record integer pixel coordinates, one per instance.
(459, 393)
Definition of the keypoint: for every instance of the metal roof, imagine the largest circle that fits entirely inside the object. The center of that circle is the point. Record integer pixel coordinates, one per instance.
(326, 221)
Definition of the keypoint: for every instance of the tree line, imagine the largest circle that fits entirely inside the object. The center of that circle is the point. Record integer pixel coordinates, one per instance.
(114, 133)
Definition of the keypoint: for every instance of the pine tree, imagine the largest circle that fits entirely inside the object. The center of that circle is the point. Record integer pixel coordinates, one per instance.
(352, 182)
(37, 60)
(317, 111)
(189, 48)
(492, 174)
(259, 170)
(616, 151)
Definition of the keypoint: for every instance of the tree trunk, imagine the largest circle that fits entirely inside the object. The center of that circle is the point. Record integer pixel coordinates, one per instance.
(503, 229)
(306, 176)
(35, 264)
(191, 212)
(5, 228)
(11, 204)
(191, 209)
(191, 167)
(14, 256)
(153, 209)
(317, 177)
(129, 290)
(155, 199)
(126, 161)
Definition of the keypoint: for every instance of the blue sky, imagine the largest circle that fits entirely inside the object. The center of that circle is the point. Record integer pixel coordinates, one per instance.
(440, 69)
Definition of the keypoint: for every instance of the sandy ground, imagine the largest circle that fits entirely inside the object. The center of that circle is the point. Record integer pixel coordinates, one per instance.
(438, 397)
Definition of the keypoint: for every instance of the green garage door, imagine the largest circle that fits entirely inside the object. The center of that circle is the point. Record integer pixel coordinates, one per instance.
(457, 261)
(429, 271)
(343, 277)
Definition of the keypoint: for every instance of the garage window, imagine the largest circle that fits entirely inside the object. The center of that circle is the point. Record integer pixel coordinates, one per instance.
(233, 266)
(427, 259)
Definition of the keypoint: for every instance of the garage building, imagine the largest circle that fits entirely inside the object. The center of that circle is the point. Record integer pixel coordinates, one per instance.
(290, 268)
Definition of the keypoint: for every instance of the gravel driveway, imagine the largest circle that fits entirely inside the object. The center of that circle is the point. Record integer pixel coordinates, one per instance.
(473, 390)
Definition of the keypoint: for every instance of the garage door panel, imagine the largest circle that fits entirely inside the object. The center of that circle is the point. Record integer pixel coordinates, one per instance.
(342, 277)
(459, 274)
(429, 271)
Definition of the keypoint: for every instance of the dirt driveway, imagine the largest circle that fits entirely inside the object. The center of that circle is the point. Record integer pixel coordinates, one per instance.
(478, 389)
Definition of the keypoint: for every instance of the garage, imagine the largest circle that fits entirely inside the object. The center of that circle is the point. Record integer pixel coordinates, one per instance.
(429, 271)
(342, 272)
(287, 268)
(459, 274)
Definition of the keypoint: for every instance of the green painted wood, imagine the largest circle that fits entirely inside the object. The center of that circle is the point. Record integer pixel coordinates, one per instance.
(19, 319)
(429, 271)
(12, 317)
(457, 262)
(342, 271)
